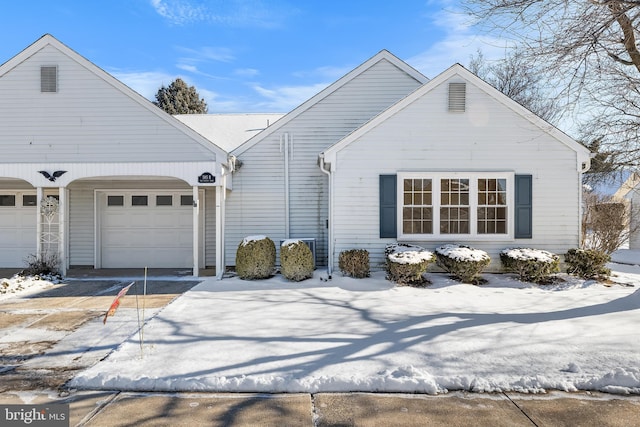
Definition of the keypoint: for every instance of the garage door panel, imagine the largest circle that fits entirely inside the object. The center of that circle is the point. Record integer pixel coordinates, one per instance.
(17, 234)
(144, 257)
(132, 237)
(178, 219)
(151, 236)
(18, 238)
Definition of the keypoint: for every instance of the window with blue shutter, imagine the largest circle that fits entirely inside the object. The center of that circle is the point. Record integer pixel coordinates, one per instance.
(388, 211)
(523, 207)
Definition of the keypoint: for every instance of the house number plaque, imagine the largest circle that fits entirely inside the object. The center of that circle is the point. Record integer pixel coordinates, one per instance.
(207, 178)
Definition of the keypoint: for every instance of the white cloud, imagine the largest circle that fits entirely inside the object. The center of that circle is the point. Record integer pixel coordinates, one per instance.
(246, 72)
(178, 12)
(326, 72)
(208, 53)
(218, 104)
(197, 59)
(189, 68)
(238, 13)
(146, 83)
(286, 98)
(460, 42)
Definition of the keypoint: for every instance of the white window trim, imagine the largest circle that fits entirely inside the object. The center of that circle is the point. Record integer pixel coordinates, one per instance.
(473, 205)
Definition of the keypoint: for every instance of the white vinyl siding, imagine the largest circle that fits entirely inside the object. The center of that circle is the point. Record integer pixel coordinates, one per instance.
(257, 203)
(88, 121)
(425, 137)
(210, 226)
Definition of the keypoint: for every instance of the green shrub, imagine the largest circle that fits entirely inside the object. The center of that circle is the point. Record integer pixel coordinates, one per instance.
(255, 258)
(296, 260)
(588, 263)
(531, 265)
(354, 263)
(462, 262)
(407, 263)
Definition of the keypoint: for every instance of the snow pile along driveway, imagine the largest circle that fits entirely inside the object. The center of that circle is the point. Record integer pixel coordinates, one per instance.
(369, 335)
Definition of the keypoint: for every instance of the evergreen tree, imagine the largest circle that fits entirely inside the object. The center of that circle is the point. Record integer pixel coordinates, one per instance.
(178, 98)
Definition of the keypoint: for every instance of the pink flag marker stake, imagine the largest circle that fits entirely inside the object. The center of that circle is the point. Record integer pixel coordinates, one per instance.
(116, 302)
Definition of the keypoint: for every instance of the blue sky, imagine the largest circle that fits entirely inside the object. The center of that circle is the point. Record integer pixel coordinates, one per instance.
(246, 55)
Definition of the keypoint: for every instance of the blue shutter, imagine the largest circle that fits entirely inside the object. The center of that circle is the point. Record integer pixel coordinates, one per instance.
(523, 208)
(388, 206)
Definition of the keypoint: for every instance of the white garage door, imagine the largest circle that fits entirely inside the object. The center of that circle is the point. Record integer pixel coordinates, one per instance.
(17, 228)
(146, 229)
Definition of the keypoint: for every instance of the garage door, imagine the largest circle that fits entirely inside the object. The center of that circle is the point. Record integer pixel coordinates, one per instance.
(146, 229)
(17, 228)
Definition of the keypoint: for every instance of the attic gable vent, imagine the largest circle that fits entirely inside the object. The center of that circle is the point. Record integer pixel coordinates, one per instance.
(49, 79)
(457, 97)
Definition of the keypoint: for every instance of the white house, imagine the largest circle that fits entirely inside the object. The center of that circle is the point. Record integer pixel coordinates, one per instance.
(379, 156)
(136, 187)
(455, 161)
(279, 191)
(629, 192)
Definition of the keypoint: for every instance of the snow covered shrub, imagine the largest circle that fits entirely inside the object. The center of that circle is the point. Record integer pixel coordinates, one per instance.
(587, 263)
(462, 262)
(255, 258)
(44, 266)
(296, 260)
(354, 263)
(407, 263)
(531, 265)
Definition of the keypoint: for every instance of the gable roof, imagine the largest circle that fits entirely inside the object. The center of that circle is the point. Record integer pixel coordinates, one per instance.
(49, 40)
(382, 55)
(229, 131)
(457, 69)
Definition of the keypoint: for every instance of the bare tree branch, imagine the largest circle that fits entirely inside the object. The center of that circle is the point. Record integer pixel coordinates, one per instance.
(589, 62)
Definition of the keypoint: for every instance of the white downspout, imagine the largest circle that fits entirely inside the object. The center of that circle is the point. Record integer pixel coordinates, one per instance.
(287, 217)
(330, 247)
(221, 194)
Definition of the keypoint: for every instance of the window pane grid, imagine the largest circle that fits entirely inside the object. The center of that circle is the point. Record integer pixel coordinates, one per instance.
(417, 212)
(492, 206)
(454, 206)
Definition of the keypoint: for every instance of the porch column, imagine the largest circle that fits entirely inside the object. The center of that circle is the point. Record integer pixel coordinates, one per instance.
(39, 197)
(63, 229)
(221, 195)
(196, 232)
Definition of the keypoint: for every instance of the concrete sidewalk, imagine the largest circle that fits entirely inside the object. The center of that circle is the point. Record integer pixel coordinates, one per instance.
(108, 409)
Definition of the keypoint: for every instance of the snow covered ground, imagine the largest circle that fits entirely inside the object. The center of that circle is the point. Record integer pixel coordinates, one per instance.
(369, 335)
(20, 285)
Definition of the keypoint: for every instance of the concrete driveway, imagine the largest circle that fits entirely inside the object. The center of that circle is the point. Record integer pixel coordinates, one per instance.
(42, 343)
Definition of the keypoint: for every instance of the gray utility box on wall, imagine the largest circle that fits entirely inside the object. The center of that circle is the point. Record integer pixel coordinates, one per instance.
(309, 242)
